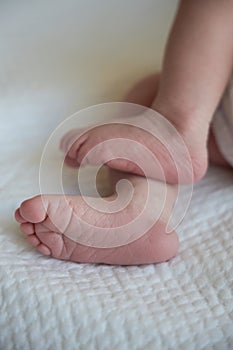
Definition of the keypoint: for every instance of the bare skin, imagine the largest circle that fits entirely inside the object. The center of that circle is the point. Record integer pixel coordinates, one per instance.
(35, 224)
(151, 85)
(81, 149)
(47, 223)
(143, 93)
(189, 91)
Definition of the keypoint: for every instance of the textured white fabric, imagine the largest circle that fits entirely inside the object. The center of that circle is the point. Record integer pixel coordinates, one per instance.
(50, 304)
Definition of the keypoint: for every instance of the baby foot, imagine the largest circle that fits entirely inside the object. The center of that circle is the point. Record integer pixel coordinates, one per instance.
(49, 223)
(182, 156)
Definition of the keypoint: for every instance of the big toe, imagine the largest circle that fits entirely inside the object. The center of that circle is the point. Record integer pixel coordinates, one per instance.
(18, 216)
(33, 210)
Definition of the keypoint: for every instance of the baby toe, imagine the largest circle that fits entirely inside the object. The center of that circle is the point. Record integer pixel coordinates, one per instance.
(52, 240)
(33, 210)
(27, 228)
(43, 249)
(68, 139)
(71, 162)
(33, 240)
(18, 217)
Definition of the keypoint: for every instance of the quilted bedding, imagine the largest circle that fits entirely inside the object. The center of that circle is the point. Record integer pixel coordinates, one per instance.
(48, 304)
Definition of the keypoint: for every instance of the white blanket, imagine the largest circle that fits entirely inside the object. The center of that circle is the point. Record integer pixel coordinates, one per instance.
(49, 304)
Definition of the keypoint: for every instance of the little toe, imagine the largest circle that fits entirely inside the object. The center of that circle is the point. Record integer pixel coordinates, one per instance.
(75, 146)
(27, 228)
(52, 240)
(70, 137)
(33, 210)
(43, 249)
(18, 217)
(65, 140)
(33, 240)
(71, 162)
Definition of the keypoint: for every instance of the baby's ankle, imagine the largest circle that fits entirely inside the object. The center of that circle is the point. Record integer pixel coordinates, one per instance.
(186, 119)
(192, 126)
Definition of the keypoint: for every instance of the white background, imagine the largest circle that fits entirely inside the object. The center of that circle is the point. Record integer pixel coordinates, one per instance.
(59, 56)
